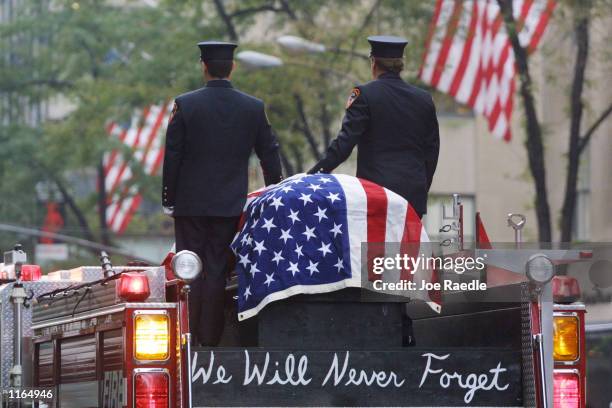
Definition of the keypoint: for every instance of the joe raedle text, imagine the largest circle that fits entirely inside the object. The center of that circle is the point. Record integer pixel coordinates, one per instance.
(446, 284)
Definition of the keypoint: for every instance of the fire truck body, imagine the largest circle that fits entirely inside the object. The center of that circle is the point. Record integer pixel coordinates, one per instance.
(100, 337)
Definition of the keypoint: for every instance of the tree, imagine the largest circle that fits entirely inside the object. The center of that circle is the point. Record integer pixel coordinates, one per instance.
(581, 16)
(533, 143)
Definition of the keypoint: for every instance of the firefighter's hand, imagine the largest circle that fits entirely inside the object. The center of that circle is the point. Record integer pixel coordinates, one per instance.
(168, 210)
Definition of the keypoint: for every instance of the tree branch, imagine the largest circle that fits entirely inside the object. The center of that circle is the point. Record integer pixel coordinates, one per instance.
(581, 32)
(255, 10)
(584, 140)
(227, 20)
(305, 128)
(366, 20)
(534, 144)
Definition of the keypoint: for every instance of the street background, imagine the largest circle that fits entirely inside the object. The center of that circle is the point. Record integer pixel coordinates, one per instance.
(86, 85)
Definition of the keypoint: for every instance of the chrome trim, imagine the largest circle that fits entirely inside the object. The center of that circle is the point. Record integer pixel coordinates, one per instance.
(151, 370)
(103, 311)
(572, 306)
(569, 314)
(144, 313)
(189, 374)
(568, 371)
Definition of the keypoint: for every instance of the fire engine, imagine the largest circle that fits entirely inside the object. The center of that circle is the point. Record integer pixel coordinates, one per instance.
(109, 336)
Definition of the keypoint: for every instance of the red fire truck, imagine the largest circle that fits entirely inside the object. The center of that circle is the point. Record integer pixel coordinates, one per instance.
(109, 336)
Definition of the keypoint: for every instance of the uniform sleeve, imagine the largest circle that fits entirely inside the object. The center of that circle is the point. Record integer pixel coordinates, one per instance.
(173, 155)
(432, 148)
(266, 148)
(354, 124)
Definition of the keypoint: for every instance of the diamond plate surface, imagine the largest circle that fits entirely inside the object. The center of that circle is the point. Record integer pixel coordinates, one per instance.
(62, 279)
(529, 392)
(7, 321)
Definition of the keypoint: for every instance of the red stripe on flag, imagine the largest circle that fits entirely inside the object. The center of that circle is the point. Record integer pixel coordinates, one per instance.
(376, 201)
(132, 146)
(467, 51)
(447, 42)
(410, 244)
(130, 213)
(541, 27)
(430, 34)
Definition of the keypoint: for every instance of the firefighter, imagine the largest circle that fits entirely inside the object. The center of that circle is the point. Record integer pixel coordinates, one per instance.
(210, 136)
(395, 126)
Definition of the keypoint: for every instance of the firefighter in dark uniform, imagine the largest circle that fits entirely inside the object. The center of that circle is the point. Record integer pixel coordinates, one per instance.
(395, 126)
(210, 137)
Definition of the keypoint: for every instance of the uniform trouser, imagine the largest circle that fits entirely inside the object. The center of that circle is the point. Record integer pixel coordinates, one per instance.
(210, 238)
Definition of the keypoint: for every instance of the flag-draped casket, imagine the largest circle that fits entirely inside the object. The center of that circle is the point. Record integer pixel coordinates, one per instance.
(305, 236)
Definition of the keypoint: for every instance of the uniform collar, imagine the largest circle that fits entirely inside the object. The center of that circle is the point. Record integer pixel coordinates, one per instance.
(389, 75)
(219, 83)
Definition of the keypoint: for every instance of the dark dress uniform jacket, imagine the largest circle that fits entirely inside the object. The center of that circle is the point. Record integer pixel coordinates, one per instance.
(395, 127)
(208, 143)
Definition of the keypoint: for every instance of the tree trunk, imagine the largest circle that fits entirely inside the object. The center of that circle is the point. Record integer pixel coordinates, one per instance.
(305, 128)
(75, 209)
(227, 20)
(534, 145)
(581, 31)
(286, 163)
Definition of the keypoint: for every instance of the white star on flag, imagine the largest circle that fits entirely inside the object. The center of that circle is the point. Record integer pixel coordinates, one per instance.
(339, 265)
(245, 239)
(298, 250)
(309, 233)
(249, 241)
(286, 189)
(269, 279)
(268, 224)
(305, 198)
(312, 267)
(244, 260)
(276, 202)
(247, 292)
(325, 180)
(259, 247)
(321, 213)
(314, 187)
(278, 256)
(254, 269)
(293, 268)
(324, 249)
(294, 216)
(336, 230)
(285, 235)
(333, 197)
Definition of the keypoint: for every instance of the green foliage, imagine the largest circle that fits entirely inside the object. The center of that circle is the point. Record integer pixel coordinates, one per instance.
(99, 60)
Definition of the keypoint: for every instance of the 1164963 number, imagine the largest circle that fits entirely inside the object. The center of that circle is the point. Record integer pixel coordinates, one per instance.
(26, 394)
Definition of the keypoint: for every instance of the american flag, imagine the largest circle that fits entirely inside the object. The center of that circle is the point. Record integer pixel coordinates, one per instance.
(468, 54)
(143, 136)
(305, 234)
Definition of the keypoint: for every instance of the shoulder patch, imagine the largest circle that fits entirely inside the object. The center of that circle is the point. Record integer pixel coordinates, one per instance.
(354, 95)
(174, 110)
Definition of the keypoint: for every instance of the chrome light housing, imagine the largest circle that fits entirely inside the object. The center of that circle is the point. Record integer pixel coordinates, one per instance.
(540, 269)
(186, 265)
